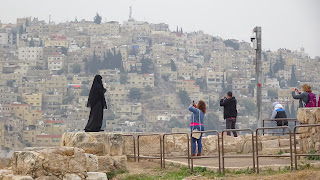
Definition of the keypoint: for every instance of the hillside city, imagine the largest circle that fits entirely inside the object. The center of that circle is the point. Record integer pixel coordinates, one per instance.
(151, 73)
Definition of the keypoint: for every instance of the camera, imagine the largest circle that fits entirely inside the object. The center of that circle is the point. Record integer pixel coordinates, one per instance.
(252, 38)
(254, 42)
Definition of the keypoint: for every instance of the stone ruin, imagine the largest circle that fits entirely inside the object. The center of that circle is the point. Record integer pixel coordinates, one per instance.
(310, 136)
(81, 156)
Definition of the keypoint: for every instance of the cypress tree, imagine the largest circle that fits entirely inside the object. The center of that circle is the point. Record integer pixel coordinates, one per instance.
(293, 80)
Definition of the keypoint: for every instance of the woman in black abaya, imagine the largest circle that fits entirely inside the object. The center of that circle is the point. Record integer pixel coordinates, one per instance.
(97, 103)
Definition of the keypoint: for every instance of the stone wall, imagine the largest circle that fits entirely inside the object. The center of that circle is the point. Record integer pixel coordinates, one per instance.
(310, 136)
(177, 145)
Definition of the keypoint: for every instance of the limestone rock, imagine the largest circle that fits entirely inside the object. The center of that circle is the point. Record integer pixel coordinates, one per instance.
(284, 142)
(247, 148)
(270, 151)
(96, 176)
(71, 177)
(210, 144)
(92, 162)
(105, 164)
(52, 161)
(270, 144)
(120, 162)
(12, 177)
(4, 172)
(98, 143)
(47, 178)
(233, 144)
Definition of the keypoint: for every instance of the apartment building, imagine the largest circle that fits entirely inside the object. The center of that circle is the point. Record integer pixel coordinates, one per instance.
(187, 85)
(140, 81)
(35, 100)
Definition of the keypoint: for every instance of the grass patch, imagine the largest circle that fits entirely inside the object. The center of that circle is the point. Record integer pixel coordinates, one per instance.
(304, 166)
(175, 173)
(280, 152)
(313, 157)
(113, 174)
(139, 177)
(247, 171)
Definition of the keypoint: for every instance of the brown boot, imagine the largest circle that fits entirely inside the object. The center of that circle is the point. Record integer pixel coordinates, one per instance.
(193, 154)
(199, 154)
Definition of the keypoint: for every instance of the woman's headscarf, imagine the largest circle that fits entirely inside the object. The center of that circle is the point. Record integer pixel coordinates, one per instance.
(97, 92)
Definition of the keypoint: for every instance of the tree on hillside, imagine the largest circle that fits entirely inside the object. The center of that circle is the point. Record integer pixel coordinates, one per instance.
(146, 66)
(175, 123)
(271, 74)
(232, 44)
(173, 65)
(201, 82)
(123, 78)
(184, 97)
(61, 71)
(288, 110)
(76, 69)
(95, 64)
(97, 19)
(279, 65)
(293, 110)
(31, 42)
(293, 82)
(85, 91)
(21, 30)
(135, 94)
(250, 108)
(211, 121)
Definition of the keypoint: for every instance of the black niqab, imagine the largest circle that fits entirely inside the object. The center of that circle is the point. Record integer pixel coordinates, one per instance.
(97, 103)
(97, 93)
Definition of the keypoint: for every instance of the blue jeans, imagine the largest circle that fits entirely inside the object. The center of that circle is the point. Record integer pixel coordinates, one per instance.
(195, 141)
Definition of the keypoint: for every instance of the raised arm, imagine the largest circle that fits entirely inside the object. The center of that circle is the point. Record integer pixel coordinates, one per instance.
(224, 102)
(296, 96)
(192, 109)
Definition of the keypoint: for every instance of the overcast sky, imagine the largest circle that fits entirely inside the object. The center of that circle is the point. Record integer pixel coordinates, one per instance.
(285, 23)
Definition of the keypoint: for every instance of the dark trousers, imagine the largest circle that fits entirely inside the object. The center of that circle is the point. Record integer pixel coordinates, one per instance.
(231, 124)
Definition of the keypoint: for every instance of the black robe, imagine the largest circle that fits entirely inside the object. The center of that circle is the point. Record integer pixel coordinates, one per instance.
(97, 103)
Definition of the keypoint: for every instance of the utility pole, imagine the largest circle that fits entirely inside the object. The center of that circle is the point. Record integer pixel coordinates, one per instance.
(257, 46)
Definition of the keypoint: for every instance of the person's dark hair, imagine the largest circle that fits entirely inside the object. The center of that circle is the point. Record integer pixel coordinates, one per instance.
(229, 94)
(202, 106)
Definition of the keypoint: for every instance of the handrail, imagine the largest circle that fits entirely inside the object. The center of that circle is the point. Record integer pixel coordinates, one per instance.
(149, 157)
(233, 156)
(279, 119)
(200, 157)
(257, 154)
(171, 157)
(295, 146)
(134, 145)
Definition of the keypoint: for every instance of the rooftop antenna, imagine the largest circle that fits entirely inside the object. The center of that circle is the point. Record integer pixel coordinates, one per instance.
(49, 18)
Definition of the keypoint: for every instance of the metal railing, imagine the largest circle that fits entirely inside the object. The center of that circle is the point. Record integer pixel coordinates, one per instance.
(149, 157)
(257, 154)
(235, 156)
(134, 146)
(213, 156)
(279, 119)
(172, 157)
(295, 146)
